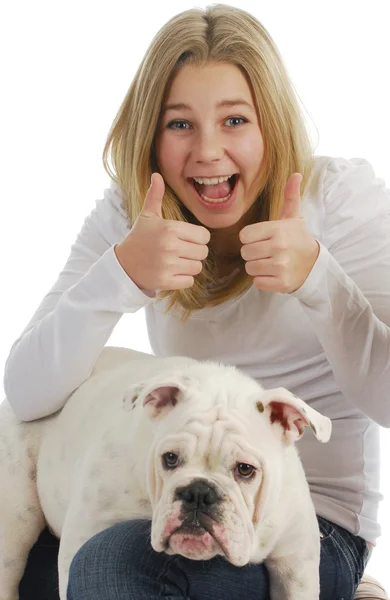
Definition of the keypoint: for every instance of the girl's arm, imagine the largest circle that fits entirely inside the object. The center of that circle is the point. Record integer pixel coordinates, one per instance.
(347, 294)
(59, 347)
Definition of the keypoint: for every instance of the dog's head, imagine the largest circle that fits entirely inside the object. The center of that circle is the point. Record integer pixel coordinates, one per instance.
(215, 467)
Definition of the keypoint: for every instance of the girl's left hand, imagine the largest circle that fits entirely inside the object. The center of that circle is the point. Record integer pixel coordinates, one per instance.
(280, 254)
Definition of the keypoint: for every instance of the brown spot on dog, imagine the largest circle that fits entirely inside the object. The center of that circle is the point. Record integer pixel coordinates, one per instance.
(22, 518)
(32, 474)
(260, 407)
(144, 503)
(277, 415)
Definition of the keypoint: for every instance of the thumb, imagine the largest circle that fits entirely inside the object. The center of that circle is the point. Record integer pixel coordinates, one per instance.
(153, 201)
(291, 207)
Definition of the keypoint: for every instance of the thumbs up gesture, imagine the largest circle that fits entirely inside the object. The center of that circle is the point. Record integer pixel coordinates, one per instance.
(160, 254)
(280, 254)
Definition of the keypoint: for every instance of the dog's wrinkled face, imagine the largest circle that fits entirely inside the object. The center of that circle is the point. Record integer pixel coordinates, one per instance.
(209, 477)
(217, 460)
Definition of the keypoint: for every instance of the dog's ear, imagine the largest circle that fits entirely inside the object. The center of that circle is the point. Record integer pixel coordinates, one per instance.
(291, 415)
(162, 399)
(158, 396)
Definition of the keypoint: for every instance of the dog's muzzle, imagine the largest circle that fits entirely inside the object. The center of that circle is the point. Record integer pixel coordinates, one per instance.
(200, 509)
(202, 523)
(198, 495)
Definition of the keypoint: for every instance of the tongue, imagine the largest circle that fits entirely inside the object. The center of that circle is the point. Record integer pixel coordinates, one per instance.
(219, 190)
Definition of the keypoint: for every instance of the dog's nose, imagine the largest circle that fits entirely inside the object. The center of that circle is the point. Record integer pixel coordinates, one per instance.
(197, 495)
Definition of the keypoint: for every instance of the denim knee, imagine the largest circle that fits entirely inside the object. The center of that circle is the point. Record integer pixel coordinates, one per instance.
(120, 564)
(111, 564)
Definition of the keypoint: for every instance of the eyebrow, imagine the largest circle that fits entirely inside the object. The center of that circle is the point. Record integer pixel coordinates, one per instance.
(222, 104)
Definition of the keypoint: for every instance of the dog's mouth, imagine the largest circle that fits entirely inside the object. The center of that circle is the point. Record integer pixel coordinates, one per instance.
(196, 524)
(198, 536)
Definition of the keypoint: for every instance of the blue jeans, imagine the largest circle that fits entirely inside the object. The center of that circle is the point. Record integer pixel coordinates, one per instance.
(120, 564)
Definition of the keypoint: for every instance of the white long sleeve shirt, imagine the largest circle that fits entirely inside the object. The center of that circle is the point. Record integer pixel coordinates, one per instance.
(328, 342)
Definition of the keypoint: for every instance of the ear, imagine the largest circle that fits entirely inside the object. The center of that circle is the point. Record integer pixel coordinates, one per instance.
(162, 398)
(158, 395)
(290, 415)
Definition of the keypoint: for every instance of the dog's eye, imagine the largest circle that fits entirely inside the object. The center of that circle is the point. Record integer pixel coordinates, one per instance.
(170, 460)
(245, 471)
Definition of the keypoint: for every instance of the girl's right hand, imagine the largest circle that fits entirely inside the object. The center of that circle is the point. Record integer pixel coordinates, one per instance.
(159, 254)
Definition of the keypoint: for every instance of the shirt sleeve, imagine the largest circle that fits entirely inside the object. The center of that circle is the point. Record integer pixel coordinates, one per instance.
(347, 293)
(57, 350)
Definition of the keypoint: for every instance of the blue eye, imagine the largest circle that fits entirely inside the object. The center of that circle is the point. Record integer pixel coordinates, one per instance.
(237, 119)
(180, 125)
(171, 124)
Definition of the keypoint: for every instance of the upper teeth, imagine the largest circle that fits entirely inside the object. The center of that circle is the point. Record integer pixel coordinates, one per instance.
(211, 180)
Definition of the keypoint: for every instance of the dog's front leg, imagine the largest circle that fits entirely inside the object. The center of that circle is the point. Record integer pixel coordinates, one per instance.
(81, 523)
(294, 578)
(69, 546)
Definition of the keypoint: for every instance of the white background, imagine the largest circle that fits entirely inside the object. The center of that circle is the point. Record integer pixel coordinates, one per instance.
(66, 66)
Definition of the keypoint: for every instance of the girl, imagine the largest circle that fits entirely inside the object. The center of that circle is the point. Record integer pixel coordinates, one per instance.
(243, 247)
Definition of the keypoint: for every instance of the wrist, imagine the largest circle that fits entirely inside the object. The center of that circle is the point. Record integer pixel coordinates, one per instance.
(118, 251)
(313, 290)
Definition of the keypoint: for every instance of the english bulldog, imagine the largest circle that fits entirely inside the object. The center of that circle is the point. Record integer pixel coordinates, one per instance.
(199, 448)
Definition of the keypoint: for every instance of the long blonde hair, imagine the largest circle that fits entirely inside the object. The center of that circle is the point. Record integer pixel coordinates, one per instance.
(218, 33)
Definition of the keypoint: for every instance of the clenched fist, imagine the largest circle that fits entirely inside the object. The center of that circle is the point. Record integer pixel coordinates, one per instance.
(280, 254)
(159, 254)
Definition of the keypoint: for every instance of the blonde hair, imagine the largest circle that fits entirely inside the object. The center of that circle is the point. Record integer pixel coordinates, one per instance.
(218, 33)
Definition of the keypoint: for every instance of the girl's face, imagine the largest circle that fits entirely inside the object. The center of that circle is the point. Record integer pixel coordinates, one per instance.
(208, 128)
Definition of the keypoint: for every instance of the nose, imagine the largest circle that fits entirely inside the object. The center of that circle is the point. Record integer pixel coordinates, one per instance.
(198, 494)
(208, 146)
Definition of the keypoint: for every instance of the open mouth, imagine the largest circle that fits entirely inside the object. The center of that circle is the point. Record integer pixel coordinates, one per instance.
(218, 193)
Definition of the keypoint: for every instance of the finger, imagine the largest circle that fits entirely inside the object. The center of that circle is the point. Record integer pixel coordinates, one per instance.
(192, 251)
(182, 282)
(188, 232)
(267, 284)
(262, 268)
(185, 266)
(154, 197)
(257, 232)
(291, 207)
(256, 250)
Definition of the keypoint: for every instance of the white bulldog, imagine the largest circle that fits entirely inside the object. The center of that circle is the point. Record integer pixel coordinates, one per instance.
(201, 449)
